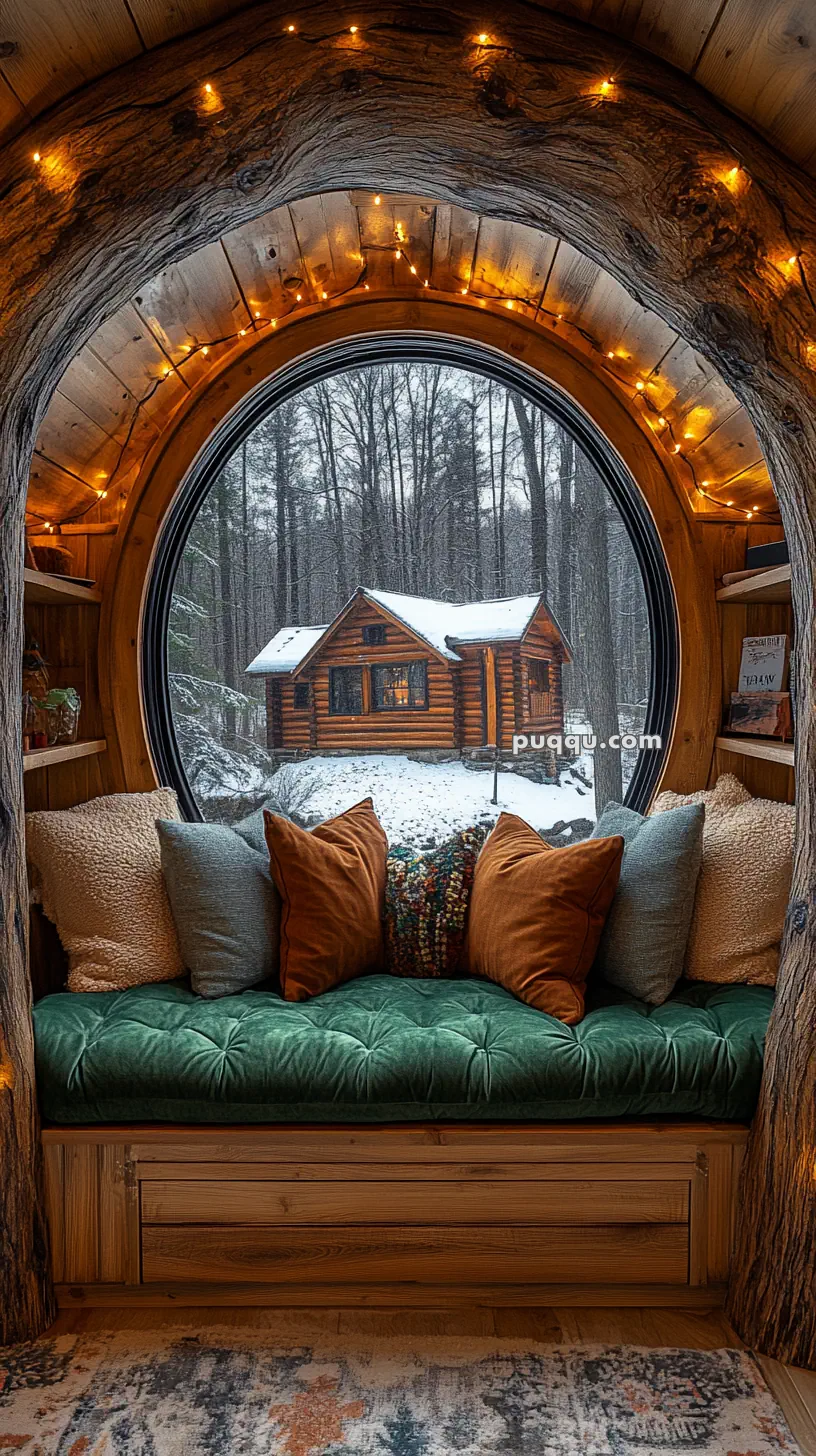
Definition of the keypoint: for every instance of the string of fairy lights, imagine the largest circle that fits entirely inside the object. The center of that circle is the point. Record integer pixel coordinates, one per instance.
(734, 177)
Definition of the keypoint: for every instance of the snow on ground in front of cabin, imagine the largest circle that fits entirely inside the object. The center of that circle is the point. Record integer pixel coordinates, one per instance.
(419, 802)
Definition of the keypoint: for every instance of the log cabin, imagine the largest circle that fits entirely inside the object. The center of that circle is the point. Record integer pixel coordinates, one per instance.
(623, 209)
(400, 672)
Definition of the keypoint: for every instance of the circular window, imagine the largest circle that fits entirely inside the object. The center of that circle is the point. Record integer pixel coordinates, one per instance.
(409, 568)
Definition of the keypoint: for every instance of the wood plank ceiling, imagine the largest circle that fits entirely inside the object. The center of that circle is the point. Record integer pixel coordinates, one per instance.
(123, 387)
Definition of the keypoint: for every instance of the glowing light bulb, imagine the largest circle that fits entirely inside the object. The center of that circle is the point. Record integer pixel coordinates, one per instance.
(377, 200)
(366, 287)
(102, 494)
(794, 258)
(353, 29)
(425, 284)
(639, 384)
(186, 348)
(610, 355)
(729, 503)
(706, 484)
(398, 253)
(464, 290)
(324, 294)
(483, 38)
(241, 333)
(290, 28)
(257, 313)
(559, 317)
(509, 303)
(412, 269)
(166, 370)
(661, 420)
(607, 85)
(205, 349)
(207, 87)
(299, 297)
(37, 157)
(688, 435)
(677, 449)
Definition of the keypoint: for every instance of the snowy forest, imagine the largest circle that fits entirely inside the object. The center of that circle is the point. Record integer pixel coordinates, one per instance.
(409, 477)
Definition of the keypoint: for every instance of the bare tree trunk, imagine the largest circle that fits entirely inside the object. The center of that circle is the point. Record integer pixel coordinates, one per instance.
(598, 639)
(227, 613)
(246, 590)
(566, 475)
(538, 504)
(26, 1295)
(281, 554)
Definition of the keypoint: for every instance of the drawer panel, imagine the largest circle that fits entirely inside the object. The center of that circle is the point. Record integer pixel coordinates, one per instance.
(622, 1254)
(215, 1201)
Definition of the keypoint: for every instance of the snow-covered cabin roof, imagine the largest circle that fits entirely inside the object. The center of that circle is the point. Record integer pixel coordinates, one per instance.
(446, 624)
(287, 649)
(443, 625)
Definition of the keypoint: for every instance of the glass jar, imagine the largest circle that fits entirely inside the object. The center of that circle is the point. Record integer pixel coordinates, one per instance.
(62, 710)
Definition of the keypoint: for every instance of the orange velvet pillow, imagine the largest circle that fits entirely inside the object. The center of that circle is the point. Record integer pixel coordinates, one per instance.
(536, 914)
(332, 887)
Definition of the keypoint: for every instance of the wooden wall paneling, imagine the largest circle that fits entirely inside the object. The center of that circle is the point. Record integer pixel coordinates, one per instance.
(54, 1159)
(193, 302)
(676, 30)
(720, 452)
(54, 495)
(639, 339)
(379, 241)
(454, 247)
(263, 254)
(759, 61)
(569, 287)
(130, 351)
(61, 46)
(159, 20)
(328, 235)
(13, 115)
(513, 261)
(71, 439)
(118, 1241)
(81, 1172)
(415, 221)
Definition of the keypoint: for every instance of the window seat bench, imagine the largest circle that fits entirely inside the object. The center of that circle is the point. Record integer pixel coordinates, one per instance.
(393, 1142)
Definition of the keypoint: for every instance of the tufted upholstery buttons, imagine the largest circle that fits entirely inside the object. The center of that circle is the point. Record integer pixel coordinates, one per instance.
(381, 1049)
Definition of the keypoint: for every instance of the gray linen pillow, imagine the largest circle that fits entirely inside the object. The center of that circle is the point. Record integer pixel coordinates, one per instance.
(251, 830)
(225, 906)
(643, 944)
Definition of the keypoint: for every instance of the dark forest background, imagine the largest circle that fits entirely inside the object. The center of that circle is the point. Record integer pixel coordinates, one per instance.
(409, 477)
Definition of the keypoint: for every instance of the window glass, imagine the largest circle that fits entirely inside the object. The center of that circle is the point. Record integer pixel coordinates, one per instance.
(346, 690)
(402, 685)
(509, 593)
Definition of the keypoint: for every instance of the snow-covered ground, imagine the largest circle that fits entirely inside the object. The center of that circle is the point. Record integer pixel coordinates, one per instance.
(422, 802)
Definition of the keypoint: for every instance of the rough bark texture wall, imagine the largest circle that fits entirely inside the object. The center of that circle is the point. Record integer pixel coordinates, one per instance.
(688, 208)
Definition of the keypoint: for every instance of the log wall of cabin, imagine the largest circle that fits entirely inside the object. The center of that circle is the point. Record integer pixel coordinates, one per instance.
(431, 727)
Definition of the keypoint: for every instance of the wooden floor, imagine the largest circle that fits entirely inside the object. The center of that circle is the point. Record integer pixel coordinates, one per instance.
(692, 1329)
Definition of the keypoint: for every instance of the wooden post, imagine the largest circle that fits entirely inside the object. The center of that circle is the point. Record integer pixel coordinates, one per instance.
(654, 181)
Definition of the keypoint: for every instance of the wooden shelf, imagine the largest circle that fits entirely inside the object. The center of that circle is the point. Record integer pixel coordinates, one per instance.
(62, 752)
(767, 748)
(44, 590)
(773, 585)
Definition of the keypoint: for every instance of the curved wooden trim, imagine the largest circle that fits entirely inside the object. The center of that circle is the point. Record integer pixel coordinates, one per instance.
(697, 717)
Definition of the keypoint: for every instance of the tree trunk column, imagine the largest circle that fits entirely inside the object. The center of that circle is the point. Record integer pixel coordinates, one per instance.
(26, 1295)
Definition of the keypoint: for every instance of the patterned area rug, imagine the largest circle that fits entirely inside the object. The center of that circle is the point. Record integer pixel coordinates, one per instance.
(168, 1393)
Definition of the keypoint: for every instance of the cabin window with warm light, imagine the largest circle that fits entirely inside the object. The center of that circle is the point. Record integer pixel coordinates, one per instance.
(399, 685)
(346, 691)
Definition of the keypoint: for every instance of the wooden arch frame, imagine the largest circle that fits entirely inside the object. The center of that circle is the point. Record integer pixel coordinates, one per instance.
(645, 174)
(698, 699)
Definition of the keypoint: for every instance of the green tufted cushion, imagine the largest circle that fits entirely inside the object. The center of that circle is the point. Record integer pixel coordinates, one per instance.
(386, 1050)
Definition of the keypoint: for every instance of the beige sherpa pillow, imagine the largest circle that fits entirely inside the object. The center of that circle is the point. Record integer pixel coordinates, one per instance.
(744, 884)
(97, 871)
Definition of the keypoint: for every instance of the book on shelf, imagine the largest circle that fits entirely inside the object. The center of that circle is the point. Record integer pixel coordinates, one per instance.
(764, 664)
(762, 714)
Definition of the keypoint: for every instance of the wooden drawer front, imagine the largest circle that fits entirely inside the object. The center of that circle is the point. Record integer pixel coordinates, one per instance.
(621, 1254)
(210, 1201)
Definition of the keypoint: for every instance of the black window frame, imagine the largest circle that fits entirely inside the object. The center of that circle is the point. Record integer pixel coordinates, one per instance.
(334, 670)
(392, 347)
(376, 667)
(374, 634)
